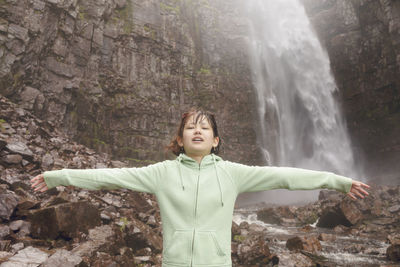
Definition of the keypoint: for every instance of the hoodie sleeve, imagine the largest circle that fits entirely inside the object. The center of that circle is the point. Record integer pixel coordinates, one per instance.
(142, 179)
(254, 178)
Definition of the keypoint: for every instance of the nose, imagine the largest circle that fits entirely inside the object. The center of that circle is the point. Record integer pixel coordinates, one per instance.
(197, 130)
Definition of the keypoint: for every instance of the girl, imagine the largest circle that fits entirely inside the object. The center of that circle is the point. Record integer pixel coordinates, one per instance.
(196, 192)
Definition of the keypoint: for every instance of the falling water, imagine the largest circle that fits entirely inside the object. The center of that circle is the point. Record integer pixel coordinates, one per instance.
(300, 120)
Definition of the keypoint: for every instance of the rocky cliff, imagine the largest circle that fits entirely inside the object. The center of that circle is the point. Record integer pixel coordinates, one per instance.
(116, 75)
(363, 42)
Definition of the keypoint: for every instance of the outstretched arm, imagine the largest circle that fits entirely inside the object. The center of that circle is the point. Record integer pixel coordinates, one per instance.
(143, 179)
(357, 190)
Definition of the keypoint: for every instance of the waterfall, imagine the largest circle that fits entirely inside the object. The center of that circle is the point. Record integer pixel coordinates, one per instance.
(300, 120)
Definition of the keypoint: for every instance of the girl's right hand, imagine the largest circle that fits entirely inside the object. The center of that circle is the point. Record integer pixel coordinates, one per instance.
(38, 183)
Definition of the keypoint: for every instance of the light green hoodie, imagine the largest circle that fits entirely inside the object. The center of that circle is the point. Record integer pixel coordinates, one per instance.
(197, 200)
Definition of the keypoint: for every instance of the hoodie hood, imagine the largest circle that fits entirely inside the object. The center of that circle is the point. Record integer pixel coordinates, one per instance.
(206, 162)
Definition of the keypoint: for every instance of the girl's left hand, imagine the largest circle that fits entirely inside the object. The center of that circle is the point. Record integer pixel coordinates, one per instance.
(357, 190)
(38, 183)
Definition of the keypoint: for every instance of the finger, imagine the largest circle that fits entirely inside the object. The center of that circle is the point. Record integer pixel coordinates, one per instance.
(36, 183)
(351, 195)
(37, 178)
(39, 186)
(45, 188)
(363, 191)
(364, 185)
(358, 194)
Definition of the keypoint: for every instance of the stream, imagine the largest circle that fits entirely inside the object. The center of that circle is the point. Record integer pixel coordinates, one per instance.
(344, 251)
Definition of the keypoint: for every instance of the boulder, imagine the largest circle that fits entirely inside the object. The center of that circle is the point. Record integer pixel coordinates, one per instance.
(393, 252)
(310, 244)
(4, 231)
(326, 237)
(277, 215)
(63, 258)
(66, 220)
(8, 202)
(101, 238)
(331, 217)
(254, 250)
(19, 148)
(12, 159)
(28, 257)
(350, 211)
(140, 235)
(4, 245)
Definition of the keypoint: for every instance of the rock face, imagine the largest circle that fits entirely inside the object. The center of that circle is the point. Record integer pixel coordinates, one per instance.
(363, 42)
(65, 226)
(117, 75)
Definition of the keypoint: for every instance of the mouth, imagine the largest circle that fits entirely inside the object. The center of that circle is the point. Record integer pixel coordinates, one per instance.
(197, 139)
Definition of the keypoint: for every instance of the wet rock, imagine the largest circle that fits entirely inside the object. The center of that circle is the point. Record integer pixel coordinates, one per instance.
(112, 200)
(99, 238)
(24, 205)
(63, 258)
(22, 228)
(326, 237)
(12, 159)
(394, 239)
(331, 217)
(28, 257)
(393, 252)
(47, 161)
(254, 250)
(6, 128)
(4, 246)
(8, 202)
(140, 235)
(307, 243)
(351, 212)
(29, 96)
(64, 219)
(393, 209)
(16, 225)
(277, 215)
(19, 32)
(4, 231)
(235, 229)
(17, 247)
(19, 148)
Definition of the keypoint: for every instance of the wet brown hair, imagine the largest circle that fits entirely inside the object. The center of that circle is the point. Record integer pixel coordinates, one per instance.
(198, 115)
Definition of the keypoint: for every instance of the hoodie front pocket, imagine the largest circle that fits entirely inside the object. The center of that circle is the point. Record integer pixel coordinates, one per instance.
(179, 247)
(207, 249)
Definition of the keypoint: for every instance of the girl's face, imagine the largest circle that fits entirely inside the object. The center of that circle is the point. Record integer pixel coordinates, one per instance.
(198, 138)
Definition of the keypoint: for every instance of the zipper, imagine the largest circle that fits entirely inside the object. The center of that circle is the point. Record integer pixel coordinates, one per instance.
(195, 215)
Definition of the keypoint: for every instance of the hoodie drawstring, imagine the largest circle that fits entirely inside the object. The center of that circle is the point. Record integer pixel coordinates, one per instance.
(180, 172)
(216, 173)
(219, 182)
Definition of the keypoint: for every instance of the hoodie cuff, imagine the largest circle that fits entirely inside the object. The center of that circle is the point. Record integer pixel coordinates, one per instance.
(53, 178)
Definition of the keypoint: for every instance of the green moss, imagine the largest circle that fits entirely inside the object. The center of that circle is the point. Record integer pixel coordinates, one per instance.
(99, 142)
(1, 125)
(82, 13)
(126, 15)
(204, 70)
(239, 238)
(169, 8)
(123, 223)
